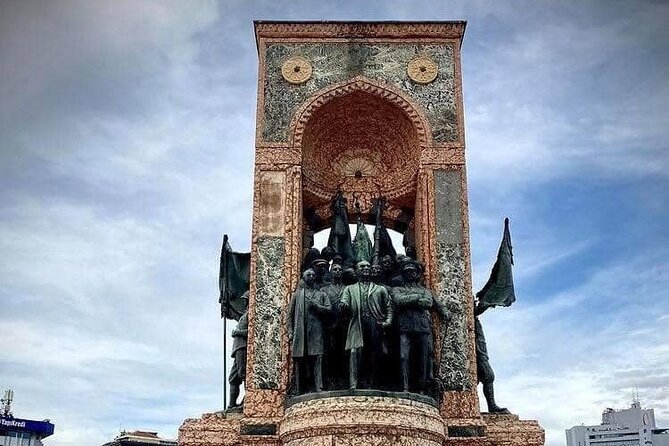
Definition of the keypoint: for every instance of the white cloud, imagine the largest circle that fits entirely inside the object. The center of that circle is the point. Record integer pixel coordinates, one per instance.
(569, 356)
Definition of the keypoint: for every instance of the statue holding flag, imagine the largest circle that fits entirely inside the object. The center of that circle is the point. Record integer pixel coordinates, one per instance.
(383, 245)
(233, 282)
(498, 291)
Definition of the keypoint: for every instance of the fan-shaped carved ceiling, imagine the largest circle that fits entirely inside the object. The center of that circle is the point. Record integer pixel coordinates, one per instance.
(360, 143)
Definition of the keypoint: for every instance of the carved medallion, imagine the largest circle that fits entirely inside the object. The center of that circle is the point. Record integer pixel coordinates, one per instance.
(296, 70)
(422, 70)
(358, 163)
(358, 167)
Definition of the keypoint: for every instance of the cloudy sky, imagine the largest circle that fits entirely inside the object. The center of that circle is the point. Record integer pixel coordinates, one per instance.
(126, 150)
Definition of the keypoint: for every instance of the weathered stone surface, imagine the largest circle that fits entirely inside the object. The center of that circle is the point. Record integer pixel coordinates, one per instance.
(218, 429)
(509, 430)
(210, 429)
(264, 403)
(362, 421)
(469, 441)
(448, 206)
(271, 199)
(336, 62)
(360, 393)
(454, 366)
(268, 310)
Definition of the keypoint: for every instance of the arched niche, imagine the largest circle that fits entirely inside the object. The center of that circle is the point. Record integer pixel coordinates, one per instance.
(366, 141)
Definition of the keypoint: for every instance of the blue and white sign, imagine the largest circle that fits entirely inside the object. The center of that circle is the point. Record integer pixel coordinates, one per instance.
(39, 428)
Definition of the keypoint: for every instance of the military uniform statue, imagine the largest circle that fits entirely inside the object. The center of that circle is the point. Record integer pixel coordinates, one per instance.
(498, 291)
(413, 303)
(484, 372)
(320, 267)
(371, 310)
(308, 309)
(238, 370)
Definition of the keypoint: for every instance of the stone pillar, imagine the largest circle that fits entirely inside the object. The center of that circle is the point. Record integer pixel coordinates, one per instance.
(275, 258)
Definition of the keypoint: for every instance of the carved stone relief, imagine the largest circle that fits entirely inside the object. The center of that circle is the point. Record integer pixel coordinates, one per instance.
(336, 62)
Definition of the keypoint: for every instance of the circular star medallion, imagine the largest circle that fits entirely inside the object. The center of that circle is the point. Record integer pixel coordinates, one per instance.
(422, 70)
(296, 70)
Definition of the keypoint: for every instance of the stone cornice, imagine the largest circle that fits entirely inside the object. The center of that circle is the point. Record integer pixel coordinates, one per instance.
(362, 30)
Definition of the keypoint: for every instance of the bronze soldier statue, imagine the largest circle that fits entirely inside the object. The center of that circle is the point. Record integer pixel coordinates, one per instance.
(387, 269)
(238, 371)
(371, 310)
(498, 291)
(413, 302)
(484, 372)
(320, 267)
(308, 308)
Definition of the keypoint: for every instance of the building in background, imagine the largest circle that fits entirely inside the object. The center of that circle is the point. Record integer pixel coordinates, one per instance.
(140, 438)
(627, 427)
(20, 431)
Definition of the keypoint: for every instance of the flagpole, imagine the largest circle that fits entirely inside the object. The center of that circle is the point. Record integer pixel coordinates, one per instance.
(224, 271)
(225, 361)
(377, 233)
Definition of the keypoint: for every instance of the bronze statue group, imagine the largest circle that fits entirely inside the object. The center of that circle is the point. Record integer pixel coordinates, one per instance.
(361, 317)
(352, 329)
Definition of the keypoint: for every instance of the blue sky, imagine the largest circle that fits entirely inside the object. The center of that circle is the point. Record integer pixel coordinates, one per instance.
(126, 150)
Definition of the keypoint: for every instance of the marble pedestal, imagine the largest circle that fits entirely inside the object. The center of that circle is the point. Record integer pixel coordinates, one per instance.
(362, 421)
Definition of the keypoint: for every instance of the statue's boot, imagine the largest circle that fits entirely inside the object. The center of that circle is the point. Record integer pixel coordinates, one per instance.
(234, 394)
(298, 381)
(405, 375)
(489, 393)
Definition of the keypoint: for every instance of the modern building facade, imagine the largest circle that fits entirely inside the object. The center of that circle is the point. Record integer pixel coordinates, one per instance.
(627, 427)
(140, 438)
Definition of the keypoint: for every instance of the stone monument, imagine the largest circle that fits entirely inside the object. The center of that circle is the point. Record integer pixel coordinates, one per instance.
(360, 121)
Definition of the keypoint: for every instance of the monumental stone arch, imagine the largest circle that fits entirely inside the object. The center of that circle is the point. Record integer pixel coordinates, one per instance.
(367, 109)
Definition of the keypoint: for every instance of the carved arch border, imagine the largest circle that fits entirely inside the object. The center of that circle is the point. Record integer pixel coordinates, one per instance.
(402, 100)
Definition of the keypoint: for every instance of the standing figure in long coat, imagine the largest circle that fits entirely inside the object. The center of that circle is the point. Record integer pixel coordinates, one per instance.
(308, 307)
(335, 333)
(371, 310)
(413, 303)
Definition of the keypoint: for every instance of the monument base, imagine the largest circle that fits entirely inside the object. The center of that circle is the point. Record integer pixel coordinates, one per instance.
(362, 421)
(359, 420)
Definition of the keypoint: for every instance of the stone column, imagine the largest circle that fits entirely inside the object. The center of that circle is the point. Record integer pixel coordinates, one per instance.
(274, 259)
(442, 216)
